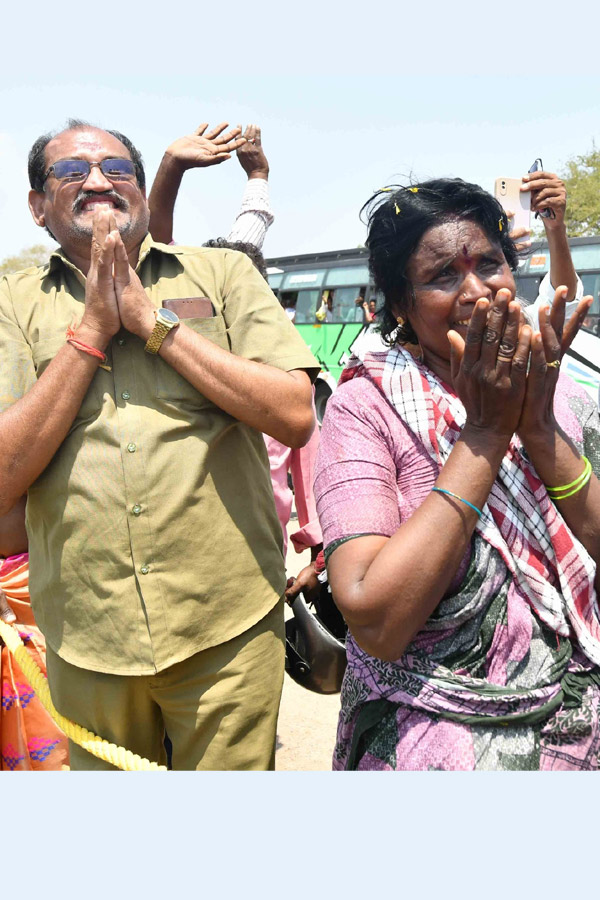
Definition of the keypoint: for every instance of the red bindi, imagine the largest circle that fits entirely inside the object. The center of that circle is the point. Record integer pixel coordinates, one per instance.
(466, 254)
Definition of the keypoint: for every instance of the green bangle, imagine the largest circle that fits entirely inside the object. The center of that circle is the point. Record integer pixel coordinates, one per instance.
(575, 490)
(558, 493)
(456, 497)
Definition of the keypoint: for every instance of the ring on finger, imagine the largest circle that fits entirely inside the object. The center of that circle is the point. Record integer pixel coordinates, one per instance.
(506, 351)
(555, 364)
(490, 336)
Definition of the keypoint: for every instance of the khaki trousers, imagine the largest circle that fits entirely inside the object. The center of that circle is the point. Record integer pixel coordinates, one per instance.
(219, 707)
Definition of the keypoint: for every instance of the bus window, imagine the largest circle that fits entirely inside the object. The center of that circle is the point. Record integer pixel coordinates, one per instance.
(275, 280)
(299, 280)
(345, 308)
(528, 287)
(586, 256)
(347, 275)
(306, 306)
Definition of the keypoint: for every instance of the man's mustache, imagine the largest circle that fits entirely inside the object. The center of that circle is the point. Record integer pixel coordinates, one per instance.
(83, 196)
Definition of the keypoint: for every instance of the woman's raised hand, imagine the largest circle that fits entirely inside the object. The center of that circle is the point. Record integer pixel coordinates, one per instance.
(548, 347)
(489, 367)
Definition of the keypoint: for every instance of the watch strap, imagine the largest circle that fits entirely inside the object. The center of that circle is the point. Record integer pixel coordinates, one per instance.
(159, 333)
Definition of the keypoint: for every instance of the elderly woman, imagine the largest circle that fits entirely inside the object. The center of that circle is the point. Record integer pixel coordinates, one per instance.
(458, 495)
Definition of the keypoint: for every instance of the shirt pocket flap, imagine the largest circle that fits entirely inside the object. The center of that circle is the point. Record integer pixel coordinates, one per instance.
(172, 386)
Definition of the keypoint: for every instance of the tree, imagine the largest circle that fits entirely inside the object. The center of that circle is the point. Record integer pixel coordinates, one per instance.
(582, 179)
(37, 255)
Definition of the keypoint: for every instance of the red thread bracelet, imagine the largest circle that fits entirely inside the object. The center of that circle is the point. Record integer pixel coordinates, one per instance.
(91, 351)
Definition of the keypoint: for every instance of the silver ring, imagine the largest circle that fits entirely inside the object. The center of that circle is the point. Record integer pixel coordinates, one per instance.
(251, 140)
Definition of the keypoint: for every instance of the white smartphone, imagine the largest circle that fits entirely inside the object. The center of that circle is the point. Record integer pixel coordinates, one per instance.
(510, 196)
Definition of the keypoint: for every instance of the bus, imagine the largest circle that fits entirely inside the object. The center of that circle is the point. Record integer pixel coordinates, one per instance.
(341, 280)
(338, 278)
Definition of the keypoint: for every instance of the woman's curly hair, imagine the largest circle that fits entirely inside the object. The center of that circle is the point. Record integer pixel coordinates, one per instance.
(398, 216)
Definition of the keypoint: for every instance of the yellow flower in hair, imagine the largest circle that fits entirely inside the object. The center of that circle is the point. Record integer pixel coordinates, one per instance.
(499, 224)
(386, 190)
(397, 208)
(414, 190)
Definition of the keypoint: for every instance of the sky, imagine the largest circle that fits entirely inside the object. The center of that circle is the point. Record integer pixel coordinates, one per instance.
(331, 139)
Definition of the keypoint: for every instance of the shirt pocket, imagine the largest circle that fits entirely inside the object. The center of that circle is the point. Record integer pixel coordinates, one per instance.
(172, 386)
(43, 352)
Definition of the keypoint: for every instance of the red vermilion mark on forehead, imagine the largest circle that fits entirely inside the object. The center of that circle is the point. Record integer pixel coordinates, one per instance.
(465, 253)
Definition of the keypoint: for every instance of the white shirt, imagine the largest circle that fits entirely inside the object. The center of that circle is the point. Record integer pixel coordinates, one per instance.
(546, 297)
(255, 215)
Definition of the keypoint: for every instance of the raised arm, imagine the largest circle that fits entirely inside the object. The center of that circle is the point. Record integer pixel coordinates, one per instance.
(198, 150)
(255, 215)
(549, 192)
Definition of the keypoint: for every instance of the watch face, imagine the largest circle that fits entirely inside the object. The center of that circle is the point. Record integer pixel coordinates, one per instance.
(167, 316)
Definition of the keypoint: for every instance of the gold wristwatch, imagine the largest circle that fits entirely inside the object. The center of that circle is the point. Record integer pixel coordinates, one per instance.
(166, 321)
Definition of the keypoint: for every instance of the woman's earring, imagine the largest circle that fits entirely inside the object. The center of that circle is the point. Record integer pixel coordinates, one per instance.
(400, 321)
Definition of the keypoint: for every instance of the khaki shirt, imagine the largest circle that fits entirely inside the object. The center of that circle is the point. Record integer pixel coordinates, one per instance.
(152, 532)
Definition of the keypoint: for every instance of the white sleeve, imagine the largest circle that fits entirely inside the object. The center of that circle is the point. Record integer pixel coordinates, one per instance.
(546, 296)
(255, 215)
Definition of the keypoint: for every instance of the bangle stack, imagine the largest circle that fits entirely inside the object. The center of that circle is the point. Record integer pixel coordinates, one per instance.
(567, 490)
(456, 497)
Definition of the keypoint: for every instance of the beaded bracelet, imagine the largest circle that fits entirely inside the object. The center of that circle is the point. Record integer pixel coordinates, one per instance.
(568, 490)
(456, 497)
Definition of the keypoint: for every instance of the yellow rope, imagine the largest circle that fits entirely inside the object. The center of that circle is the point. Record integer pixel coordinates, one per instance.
(118, 756)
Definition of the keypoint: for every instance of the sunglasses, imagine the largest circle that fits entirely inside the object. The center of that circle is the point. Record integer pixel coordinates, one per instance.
(73, 170)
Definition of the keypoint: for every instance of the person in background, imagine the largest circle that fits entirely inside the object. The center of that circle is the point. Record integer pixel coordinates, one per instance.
(368, 310)
(211, 147)
(549, 192)
(290, 310)
(299, 463)
(325, 311)
(247, 236)
(362, 310)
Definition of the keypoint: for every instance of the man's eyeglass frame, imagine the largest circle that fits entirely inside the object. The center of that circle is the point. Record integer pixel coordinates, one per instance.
(126, 165)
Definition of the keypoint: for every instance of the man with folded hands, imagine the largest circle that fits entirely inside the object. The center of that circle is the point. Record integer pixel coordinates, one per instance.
(136, 382)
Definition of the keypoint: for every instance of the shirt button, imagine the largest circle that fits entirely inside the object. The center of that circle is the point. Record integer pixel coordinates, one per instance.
(125, 395)
(144, 570)
(121, 341)
(136, 510)
(131, 447)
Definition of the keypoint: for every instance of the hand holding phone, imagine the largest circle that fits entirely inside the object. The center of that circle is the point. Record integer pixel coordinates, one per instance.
(546, 213)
